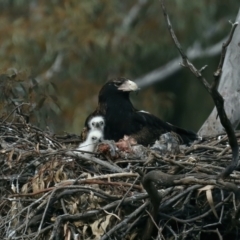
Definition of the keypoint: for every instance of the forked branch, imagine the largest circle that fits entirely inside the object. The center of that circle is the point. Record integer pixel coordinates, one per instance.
(212, 89)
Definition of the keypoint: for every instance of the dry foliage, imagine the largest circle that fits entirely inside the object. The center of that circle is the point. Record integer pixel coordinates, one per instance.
(49, 193)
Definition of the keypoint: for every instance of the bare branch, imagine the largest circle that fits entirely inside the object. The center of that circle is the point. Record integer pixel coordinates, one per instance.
(224, 49)
(161, 73)
(127, 21)
(217, 98)
(133, 13)
(55, 68)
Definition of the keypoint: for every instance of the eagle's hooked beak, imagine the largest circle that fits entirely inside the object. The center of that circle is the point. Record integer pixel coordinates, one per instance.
(128, 86)
(137, 91)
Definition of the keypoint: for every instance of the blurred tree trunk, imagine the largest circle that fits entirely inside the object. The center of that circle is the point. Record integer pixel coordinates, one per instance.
(229, 87)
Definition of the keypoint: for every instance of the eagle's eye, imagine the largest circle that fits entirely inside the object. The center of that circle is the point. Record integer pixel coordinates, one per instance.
(94, 138)
(117, 84)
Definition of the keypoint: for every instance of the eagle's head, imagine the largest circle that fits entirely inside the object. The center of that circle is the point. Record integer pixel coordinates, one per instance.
(118, 86)
(95, 136)
(96, 122)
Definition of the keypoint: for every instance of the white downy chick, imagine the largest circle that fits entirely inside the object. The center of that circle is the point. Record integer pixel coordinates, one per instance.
(97, 122)
(93, 138)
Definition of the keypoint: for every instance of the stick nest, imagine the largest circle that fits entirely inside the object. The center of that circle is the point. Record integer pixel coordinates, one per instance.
(49, 193)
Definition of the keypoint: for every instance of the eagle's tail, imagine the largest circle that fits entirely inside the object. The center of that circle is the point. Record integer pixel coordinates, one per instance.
(185, 136)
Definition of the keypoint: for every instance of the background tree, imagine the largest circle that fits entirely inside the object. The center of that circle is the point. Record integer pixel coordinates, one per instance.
(78, 45)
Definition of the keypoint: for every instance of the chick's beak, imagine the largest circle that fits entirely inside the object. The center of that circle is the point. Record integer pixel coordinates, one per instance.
(128, 86)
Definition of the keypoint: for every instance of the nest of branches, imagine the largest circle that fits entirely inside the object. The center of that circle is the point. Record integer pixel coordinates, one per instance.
(49, 193)
(129, 192)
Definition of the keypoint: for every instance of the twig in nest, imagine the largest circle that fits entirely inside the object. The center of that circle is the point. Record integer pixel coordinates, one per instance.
(217, 98)
(214, 231)
(125, 195)
(125, 221)
(197, 217)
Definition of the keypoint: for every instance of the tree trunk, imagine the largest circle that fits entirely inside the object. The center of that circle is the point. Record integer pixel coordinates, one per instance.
(229, 88)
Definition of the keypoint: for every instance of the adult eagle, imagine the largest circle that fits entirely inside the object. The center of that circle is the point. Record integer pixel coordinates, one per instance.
(121, 118)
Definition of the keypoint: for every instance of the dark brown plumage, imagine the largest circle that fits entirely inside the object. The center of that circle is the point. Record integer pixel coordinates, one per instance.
(121, 118)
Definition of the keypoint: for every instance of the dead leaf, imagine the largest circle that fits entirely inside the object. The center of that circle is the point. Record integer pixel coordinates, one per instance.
(209, 197)
(25, 188)
(211, 203)
(99, 227)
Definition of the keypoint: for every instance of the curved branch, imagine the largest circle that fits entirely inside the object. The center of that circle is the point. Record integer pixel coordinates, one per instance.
(55, 68)
(217, 98)
(161, 73)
